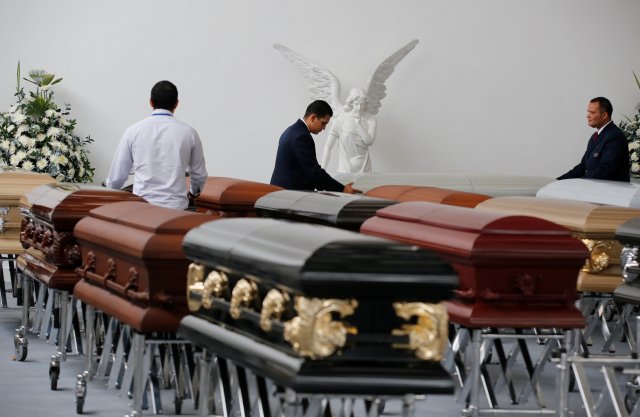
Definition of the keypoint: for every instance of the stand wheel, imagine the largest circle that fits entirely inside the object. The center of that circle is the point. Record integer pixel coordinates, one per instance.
(630, 398)
(54, 374)
(609, 312)
(79, 405)
(177, 406)
(21, 351)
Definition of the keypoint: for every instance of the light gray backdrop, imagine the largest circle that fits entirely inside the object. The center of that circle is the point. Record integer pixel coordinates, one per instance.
(494, 86)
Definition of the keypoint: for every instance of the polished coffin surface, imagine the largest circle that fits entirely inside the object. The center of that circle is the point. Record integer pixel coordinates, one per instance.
(515, 271)
(493, 185)
(50, 213)
(404, 193)
(230, 197)
(312, 307)
(346, 211)
(13, 184)
(615, 193)
(133, 267)
(594, 224)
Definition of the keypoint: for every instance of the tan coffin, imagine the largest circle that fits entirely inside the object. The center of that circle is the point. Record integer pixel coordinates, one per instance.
(14, 184)
(594, 224)
(404, 193)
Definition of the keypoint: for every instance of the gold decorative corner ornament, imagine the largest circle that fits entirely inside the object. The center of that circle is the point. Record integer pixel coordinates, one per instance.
(243, 294)
(600, 255)
(273, 305)
(195, 286)
(428, 337)
(215, 286)
(313, 333)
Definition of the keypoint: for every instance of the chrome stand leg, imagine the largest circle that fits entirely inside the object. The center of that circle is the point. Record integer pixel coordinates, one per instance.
(26, 299)
(62, 332)
(89, 341)
(564, 369)
(474, 402)
(408, 405)
(137, 353)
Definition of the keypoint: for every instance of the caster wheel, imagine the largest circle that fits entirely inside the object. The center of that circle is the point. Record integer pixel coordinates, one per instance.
(630, 399)
(21, 351)
(177, 406)
(79, 405)
(608, 313)
(54, 374)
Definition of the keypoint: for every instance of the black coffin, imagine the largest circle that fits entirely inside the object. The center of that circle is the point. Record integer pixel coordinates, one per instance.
(628, 233)
(319, 309)
(345, 211)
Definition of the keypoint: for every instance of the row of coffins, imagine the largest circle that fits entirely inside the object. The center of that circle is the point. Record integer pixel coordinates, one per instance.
(293, 205)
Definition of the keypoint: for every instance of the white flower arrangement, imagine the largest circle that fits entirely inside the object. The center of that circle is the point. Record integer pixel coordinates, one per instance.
(36, 135)
(631, 128)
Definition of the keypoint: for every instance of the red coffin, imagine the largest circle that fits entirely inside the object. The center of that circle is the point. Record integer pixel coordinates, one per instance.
(431, 194)
(50, 213)
(515, 271)
(230, 197)
(133, 265)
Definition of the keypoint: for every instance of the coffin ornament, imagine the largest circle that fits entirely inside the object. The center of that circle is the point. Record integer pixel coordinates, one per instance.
(243, 294)
(273, 305)
(429, 336)
(600, 255)
(215, 286)
(195, 286)
(314, 333)
(3, 213)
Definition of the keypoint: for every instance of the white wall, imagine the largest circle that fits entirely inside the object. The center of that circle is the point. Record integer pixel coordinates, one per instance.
(494, 86)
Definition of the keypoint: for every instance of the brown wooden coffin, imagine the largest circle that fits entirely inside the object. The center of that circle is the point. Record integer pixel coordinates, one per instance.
(515, 271)
(230, 197)
(133, 266)
(405, 193)
(13, 184)
(594, 224)
(50, 213)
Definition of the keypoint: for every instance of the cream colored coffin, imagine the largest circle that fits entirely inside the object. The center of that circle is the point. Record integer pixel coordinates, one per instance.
(492, 185)
(594, 224)
(13, 184)
(615, 193)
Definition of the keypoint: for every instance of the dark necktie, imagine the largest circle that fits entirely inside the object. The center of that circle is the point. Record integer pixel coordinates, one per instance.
(595, 137)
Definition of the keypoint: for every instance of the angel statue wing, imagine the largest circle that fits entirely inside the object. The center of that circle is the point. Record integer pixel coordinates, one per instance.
(376, 89)
(324, 85)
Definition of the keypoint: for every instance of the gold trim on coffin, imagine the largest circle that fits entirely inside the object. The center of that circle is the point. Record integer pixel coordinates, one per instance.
(243, 294)
(429, 336)
(273, 305)
(195, 286)
(601, 254)
(313, 333)
(215, 286)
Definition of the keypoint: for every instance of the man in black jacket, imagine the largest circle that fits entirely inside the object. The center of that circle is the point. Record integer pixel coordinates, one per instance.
(607, 154)
(297, 167)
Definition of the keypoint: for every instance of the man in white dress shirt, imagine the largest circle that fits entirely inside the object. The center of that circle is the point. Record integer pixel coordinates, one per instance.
(159, 150)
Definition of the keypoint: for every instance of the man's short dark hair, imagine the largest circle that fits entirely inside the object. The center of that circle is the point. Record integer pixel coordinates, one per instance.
(164, 95)
(320, 108)
(604, 103)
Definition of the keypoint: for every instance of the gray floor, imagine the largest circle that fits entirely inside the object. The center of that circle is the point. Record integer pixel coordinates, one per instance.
(25, 390)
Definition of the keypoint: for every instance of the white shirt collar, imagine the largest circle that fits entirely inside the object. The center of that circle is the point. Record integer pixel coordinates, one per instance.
(305, 123)
(602, 128)
(161, 112)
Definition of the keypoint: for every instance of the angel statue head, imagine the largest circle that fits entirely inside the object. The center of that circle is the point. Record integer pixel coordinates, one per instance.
(355, 131)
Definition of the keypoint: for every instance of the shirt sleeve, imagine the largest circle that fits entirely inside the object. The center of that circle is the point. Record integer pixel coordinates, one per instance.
(197, 167)
(121, 164)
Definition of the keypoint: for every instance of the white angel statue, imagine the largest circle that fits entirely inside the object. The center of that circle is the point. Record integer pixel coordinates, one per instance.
(354, 123)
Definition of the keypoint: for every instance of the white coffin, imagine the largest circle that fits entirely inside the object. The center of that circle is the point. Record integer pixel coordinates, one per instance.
(614, 193)
(493, 185)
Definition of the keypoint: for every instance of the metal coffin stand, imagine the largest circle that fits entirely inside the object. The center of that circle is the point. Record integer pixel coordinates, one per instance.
(517, 275)
(405, 193)
(310, 320)
(345, 211)
(134, 271)
(50, 213)
(13, 184)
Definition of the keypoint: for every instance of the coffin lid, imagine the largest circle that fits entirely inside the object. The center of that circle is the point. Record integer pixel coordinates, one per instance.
(432, 194)
(493, 185)
(628, 233)
(63, 204)
(222, 193)
(138, 228)
(336, 209)
(585, 218)
(15, 183)
(615, 193)
(315, 259)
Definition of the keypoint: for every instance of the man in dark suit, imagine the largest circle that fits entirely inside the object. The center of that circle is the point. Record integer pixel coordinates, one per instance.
(297, 167)
(607, 154)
